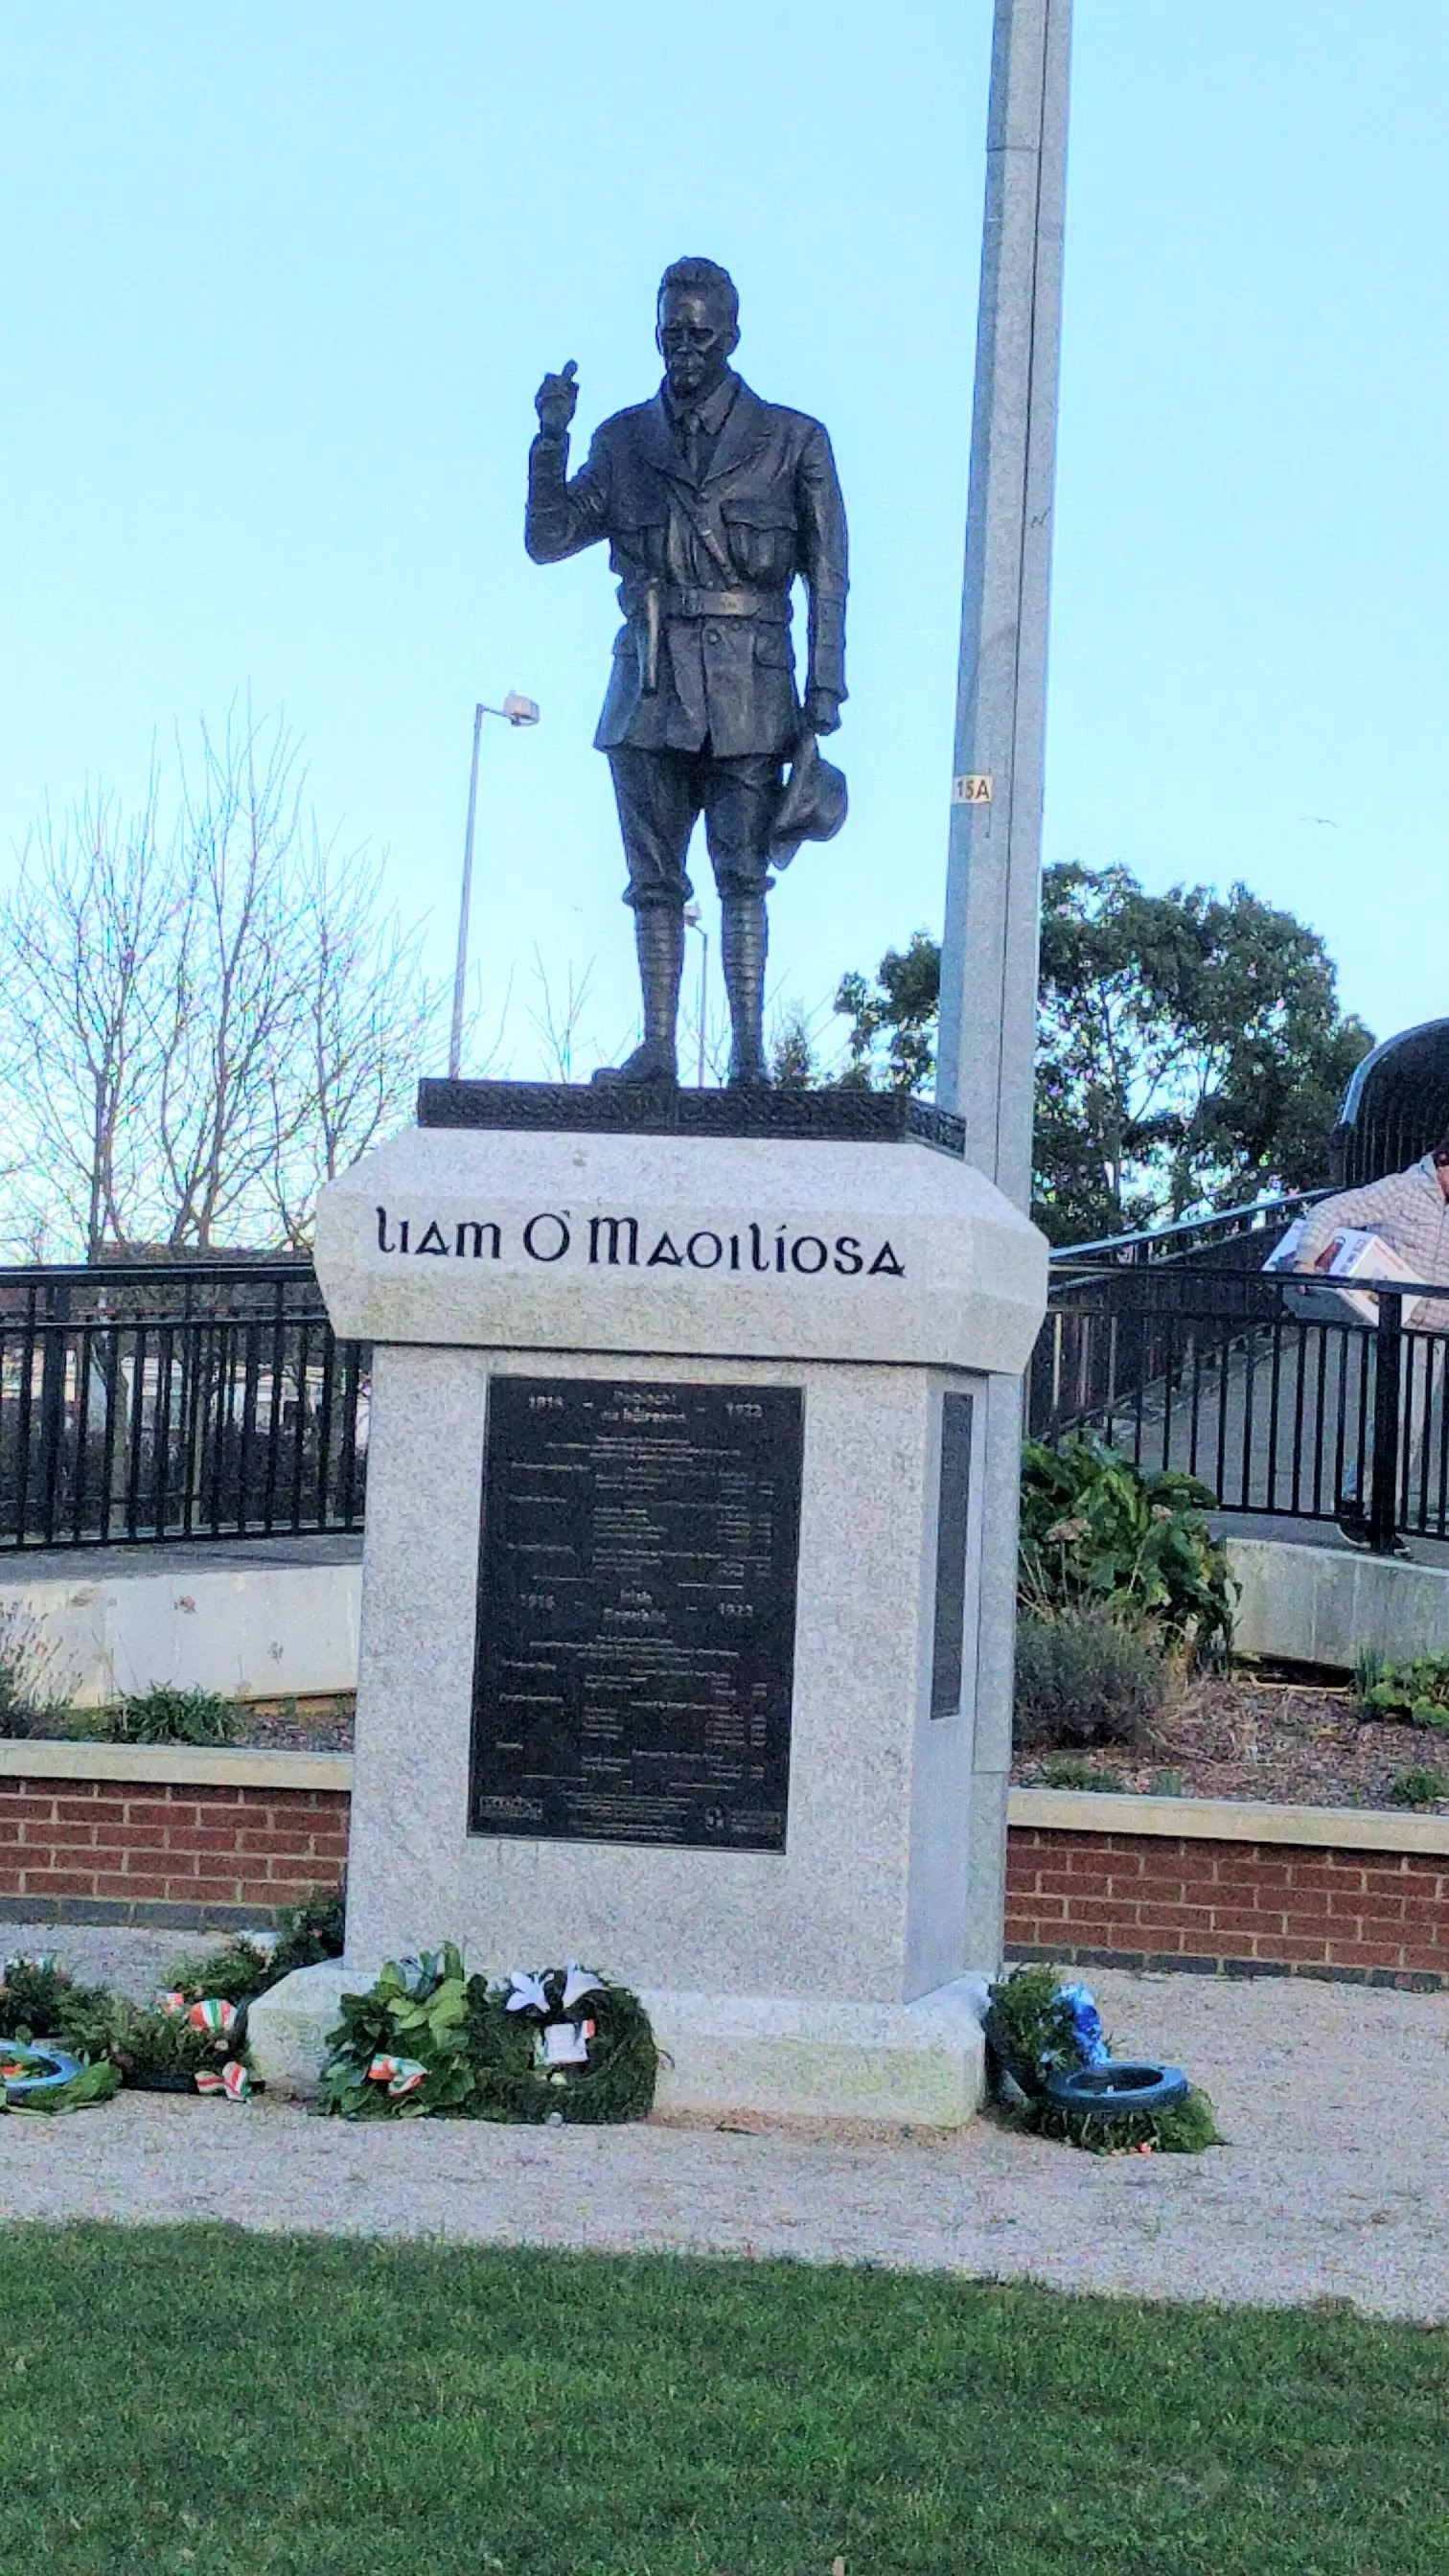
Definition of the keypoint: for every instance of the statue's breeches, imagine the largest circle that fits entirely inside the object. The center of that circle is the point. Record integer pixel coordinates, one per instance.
(661, 795)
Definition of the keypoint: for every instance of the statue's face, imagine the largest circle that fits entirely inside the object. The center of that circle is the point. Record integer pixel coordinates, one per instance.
(695, 341)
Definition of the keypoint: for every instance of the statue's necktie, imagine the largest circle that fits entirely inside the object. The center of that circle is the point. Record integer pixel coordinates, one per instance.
(693, 428)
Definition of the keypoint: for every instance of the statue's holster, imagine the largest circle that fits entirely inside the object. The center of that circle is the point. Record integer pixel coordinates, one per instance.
(650, 602)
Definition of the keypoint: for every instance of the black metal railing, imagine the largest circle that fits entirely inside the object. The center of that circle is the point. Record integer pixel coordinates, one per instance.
(168, 1401)
(150, 1401)
(1265, 1387)
(1232, 1234)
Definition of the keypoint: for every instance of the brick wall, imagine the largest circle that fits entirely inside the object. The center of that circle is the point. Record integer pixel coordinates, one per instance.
(1164, 1901)
(103, 1834)
(178, 1852)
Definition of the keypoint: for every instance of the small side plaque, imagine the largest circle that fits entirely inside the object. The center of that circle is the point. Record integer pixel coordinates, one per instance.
(952, 1533)
(636, 1612)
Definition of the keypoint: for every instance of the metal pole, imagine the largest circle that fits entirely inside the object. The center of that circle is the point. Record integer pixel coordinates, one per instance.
(1389, 1357)
(993, 891)
(460, 972)
(989, 952)
(703, 999)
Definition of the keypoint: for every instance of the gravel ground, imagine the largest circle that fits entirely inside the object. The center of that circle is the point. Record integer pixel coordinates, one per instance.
(1335, 2186)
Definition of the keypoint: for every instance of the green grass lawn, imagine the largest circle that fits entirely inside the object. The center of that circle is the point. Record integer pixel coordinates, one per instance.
(199, 2398)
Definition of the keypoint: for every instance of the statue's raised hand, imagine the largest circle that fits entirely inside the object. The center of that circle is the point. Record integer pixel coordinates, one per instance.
(556, 401)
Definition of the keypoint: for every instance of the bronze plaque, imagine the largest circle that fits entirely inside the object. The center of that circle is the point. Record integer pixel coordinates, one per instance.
(636, 1612)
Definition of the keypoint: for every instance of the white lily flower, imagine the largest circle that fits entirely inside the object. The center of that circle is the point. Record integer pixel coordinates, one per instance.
(579, 1982)
(528, 1994)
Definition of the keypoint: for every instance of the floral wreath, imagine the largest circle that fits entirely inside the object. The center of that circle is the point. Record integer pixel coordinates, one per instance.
(551, 2044)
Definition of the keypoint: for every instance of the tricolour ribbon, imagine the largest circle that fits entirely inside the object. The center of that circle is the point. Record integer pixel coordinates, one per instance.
(231, 2079)
(400, 2074)
(213, 2013)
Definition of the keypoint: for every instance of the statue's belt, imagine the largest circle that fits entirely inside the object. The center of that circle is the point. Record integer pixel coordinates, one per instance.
(653, 601)
(670, 599)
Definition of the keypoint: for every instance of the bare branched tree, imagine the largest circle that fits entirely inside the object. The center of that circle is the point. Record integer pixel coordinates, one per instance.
(483, 1056)
(200, 1024)
(83, 939)
(559, 1017)
(714, 1054)
(233, 1009)
(367, 1017)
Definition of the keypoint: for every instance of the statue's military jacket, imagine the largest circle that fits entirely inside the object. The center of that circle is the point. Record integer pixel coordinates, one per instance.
(705, 570)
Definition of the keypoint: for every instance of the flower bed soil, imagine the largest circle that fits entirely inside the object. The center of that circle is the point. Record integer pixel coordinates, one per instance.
(322, 1725)
(1247, 1734)
(1290, 1741)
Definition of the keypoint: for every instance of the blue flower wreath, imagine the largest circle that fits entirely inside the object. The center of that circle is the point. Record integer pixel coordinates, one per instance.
(1087, 2029)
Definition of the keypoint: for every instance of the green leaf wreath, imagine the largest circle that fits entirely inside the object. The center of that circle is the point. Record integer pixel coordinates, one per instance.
(1036, 2026)
(429, 2039)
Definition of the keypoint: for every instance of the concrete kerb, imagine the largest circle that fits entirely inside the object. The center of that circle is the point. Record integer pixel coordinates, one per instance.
(270, 1617)
(1328, 1605)
(259, 1619)
(920, 2065)
(175, 1765)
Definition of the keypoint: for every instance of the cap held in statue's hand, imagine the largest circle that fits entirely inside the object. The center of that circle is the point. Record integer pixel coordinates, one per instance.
(813, 803)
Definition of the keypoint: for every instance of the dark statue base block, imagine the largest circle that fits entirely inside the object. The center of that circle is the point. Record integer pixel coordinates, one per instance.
(658, 1109)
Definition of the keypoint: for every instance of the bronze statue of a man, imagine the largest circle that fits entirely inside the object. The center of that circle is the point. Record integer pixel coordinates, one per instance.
(713, 503)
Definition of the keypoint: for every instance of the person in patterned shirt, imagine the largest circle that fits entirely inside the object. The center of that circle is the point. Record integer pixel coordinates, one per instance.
(1410, 1211)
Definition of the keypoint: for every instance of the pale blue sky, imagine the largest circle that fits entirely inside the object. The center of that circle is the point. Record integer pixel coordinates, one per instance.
(279, 283)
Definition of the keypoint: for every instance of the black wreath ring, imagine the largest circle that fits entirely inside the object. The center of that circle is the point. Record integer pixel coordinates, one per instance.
(1117, 2090)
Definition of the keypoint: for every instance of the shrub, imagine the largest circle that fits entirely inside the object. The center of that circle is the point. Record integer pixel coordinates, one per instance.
(244, 1968)
(1082, 1678)
(163, 1715)
(30, 1998)
(1369, 1666)
(158, 2050)
(1098, 1531)
(1418, 1691)
(41, 2000)
(1074, 1771)
(1418, 1789)
(86, 2022)
(308, 1934)
(239, 1972)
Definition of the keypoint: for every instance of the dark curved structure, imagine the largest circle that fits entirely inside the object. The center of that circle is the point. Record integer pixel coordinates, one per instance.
(1396, 1106)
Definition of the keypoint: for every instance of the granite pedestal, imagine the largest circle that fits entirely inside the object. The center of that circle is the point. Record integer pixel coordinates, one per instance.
(669, 1590)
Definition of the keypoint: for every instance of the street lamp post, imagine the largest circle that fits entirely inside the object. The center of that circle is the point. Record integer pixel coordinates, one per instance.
(515, 711)
(989, 950)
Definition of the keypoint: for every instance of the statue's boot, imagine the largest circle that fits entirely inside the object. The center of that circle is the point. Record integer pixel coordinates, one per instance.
(659, 939)
(745, 944)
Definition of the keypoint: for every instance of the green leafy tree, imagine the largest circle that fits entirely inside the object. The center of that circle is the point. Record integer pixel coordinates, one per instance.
(1190, 1048)
(891, 1041)
(792, 1051)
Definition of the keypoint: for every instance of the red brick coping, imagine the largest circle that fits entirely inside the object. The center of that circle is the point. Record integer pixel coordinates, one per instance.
(162, 1834)
(1228, 1888)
